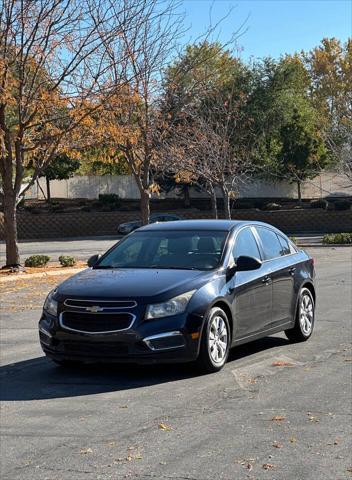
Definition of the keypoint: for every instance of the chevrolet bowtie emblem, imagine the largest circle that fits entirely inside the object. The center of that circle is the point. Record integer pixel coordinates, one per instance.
(94, 309)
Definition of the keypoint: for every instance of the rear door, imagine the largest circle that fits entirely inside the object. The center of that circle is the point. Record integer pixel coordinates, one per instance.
(277, 253)
(252, 290)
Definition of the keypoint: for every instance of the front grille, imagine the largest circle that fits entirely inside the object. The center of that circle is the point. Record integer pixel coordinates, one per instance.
(96, 322)
(104, 304)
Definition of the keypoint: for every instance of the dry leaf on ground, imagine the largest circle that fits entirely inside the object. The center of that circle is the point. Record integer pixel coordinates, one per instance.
(282, 364)
(278, 418)
(165, 427)
(85, 451)
(277, 445)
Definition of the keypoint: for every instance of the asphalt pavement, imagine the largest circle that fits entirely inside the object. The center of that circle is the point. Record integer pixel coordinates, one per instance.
(276, 411)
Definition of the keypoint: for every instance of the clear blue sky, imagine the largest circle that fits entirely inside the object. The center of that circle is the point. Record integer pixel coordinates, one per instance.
(274, 27)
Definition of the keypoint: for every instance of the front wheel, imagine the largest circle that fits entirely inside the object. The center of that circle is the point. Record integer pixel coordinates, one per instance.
(215, 342)
(304, 325)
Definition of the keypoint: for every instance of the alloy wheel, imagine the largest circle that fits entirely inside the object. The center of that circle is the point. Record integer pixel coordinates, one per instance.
(306, 314)
(218, 339)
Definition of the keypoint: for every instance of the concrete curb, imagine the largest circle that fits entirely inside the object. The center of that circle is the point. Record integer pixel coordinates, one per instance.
(12, 277)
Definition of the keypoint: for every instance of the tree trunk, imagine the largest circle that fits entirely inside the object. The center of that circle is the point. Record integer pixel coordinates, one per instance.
(186, 197)
(12, 256)
(145, 206)
(213, 201)
(226, 198)
(299, 193)
(48, 194)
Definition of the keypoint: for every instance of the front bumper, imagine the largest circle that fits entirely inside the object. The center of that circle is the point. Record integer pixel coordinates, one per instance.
(173, 339)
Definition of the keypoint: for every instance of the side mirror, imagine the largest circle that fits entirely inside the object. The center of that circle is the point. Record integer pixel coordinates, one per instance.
(244, 263)
(93, 260)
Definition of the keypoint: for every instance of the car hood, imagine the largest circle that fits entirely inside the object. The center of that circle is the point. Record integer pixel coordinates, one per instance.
(131, 283)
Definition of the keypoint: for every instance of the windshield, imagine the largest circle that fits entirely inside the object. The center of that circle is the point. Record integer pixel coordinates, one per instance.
(167, 249)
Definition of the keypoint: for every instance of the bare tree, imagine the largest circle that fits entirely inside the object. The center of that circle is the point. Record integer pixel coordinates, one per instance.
(135, 125)
(214, 146)
(53, 70)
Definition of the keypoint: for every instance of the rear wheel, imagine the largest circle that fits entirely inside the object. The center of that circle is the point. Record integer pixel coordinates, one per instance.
(215, 342)
(304, 325)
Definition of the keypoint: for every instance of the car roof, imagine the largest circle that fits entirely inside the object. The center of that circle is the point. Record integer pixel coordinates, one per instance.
(212, 224)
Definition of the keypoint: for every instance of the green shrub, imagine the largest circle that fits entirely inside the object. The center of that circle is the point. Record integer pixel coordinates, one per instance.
(319, 204)
(67, 261)
(109, 198)
(338, 238)
(36, 261)
(293, 239)
(342, 205)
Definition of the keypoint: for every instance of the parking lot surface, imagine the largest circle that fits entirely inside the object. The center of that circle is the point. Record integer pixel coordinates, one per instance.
(276, 411)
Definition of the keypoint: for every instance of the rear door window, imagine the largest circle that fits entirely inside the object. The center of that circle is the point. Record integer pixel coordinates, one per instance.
(271, 244)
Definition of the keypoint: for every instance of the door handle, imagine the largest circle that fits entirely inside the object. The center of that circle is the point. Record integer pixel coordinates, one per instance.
(292, 270)
(266, 280)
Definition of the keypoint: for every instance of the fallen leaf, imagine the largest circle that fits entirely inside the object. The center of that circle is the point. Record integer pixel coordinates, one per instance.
(293, 439)
(123, 406)
(313, 419)
(348, 359)
(349, 470)
(281, 363)
(249, 467)
(163, 426)
(85, 451)
(137, 456)
(278, 418)
(268, 466)
(277, 445)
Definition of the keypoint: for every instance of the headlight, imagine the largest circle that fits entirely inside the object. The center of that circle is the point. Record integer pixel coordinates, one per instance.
(50, 305)
(173, 306)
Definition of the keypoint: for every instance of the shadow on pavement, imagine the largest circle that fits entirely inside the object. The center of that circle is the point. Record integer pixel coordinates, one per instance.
(40, 379)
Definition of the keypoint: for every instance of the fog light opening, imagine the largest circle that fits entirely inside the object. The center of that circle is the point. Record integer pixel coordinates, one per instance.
(165, 341)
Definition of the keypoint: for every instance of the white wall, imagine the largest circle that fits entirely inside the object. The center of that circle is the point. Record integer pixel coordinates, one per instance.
(125, 186)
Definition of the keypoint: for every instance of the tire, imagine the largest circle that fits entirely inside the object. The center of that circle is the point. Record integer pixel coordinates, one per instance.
(305, 317)
(215, 342)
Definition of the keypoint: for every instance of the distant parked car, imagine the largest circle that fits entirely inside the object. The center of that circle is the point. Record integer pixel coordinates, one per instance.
(128, 227)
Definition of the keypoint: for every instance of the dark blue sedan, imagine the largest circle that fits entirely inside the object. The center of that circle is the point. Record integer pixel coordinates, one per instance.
(181, 291)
